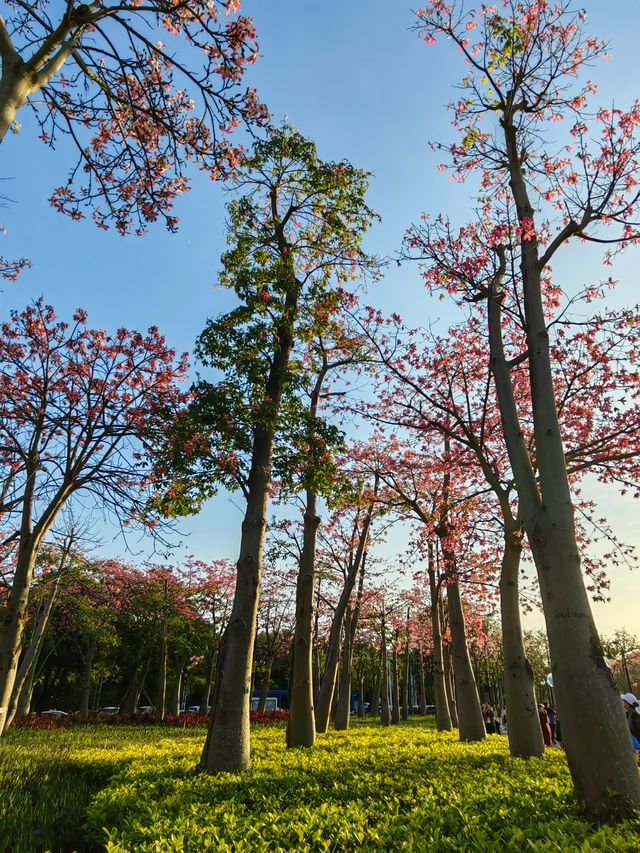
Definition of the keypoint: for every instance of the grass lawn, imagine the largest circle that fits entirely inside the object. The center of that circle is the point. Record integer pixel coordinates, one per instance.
(402, 788)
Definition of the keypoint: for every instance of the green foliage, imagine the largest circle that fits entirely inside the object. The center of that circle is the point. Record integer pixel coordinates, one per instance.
(405, 788)
(296, 225)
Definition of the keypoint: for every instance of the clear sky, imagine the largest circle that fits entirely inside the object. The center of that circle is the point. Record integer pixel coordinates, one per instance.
(355, 78)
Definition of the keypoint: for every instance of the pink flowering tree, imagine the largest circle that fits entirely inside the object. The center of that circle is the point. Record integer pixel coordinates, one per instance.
(139, 89)
(525, 69)
(81, 412)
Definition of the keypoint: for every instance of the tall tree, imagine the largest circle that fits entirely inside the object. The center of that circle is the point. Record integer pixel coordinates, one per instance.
(296, 226)
(524, 69)
(80, 412)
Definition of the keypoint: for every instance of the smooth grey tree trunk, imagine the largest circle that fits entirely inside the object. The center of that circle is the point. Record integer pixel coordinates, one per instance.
(327, 687)
(375, 694)
(470, 720)
(228, 743)
(406, 673)
(85, 695)
(450, 686)
(162, 676)
(33, 651)
(395, 686)
(343, 707)
(266, 680)
(444, 720)
(179, 663)
(385, 715)
(523, 722)
(595, 734)
(301, 726)
(422, 695)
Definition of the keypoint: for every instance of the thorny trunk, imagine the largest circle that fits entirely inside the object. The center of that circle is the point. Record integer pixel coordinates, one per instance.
(228, 743)
(595, 733)
(523, 723)
(449, 686)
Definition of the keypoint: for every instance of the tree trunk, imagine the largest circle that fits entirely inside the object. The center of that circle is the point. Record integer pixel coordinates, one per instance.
(129, 704)
(26, 694)
(15, 88)
(361, 696)
(422, 696)
(33, 651)
(343, 708)
(443, 708)
(523, 723)
(301, 727)
(179, 661)
(325, 696)
(385, 716)
(86, 678)
(375, 694)
(470, 721)
(162, 676)
(595, 732)
(405, 679)
(395, 686)
(228, 743)
(449, 686)
(211, 677)
(264, 692)
(13, 622)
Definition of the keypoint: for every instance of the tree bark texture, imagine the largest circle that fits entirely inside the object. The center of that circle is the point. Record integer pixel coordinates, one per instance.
(385, 715)
(443, 713)
(470, 721)
(301, 726)
(227, 747)
(32, 653)
(327, 686)
(523, 723)
(395, 687)
(595, 734)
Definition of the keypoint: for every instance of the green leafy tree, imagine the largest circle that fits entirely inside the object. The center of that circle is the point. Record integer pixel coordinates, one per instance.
(295, 230)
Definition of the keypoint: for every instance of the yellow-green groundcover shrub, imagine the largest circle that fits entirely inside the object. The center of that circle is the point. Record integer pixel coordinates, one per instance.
(400, 788)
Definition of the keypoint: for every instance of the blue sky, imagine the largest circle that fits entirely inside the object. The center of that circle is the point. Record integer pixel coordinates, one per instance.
(355, 78)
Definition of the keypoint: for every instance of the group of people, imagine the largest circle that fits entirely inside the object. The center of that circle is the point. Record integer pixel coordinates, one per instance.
(495, 721)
